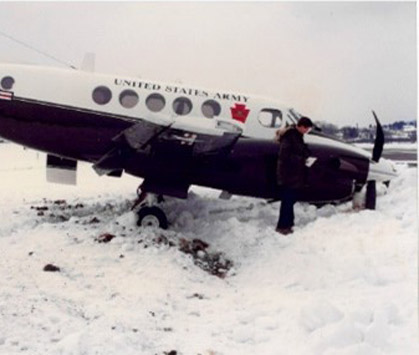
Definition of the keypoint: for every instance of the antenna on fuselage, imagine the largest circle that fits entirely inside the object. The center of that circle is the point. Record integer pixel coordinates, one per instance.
(36, 50)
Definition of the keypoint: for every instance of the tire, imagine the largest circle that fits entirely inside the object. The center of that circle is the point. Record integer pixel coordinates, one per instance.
(152, 217)
(371, 196)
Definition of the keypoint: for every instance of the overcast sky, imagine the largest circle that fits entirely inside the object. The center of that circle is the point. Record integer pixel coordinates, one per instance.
(333, 61)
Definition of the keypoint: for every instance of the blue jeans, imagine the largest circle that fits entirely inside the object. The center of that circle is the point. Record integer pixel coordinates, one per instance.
(286, 211)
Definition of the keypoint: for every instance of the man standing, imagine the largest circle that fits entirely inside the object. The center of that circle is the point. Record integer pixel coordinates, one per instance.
(291, 170)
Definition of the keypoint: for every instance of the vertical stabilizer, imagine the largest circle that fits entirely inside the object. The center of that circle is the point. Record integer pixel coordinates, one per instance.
(88, 63)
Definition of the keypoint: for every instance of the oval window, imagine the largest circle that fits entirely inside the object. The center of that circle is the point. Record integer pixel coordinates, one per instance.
(7, 82)
(128, 98)
(182, 106)
(211, 108)
(155, 102)
(102, 95)
(270, 118)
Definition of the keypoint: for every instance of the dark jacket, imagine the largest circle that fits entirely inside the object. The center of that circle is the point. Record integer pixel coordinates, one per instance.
(291, 168)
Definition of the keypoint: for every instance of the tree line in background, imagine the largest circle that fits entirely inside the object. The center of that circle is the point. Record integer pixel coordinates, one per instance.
(400, 131)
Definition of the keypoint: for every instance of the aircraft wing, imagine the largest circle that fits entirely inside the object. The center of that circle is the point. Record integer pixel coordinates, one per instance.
(157, 140)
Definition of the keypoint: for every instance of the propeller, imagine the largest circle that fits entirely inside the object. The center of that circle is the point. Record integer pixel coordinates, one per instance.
(379, 140)
(371, 194)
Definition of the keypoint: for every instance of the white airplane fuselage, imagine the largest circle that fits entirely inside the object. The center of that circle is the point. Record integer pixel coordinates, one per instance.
(98, 118)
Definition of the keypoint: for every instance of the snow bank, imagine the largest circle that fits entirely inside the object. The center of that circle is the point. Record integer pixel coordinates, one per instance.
(344, 283)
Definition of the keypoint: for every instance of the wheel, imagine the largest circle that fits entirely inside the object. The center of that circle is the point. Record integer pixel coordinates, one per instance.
(151, 217)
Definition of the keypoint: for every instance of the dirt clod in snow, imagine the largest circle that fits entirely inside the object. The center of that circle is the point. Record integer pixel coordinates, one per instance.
(94, 220)
(214, 263)
(51, 268)
(105, 238)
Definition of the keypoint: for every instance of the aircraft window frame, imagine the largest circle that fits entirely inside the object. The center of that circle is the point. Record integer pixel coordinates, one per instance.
(274, 122)
(151, 105)
(105, 92)
(211, 105)
(183, 103)
(294, 116)
(7, 82)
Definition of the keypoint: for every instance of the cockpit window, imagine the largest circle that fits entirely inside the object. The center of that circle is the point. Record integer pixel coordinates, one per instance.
(271, 118)
(293, 116)
(7, 82)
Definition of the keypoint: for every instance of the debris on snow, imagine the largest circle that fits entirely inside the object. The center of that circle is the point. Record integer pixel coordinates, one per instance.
(51, 268)
(214, 263)
(94, 220)
(105, 238)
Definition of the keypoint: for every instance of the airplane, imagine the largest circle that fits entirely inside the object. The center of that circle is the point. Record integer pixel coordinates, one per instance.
(173, 136)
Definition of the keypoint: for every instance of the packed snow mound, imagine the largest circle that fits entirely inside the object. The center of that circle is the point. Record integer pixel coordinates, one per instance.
(79, 277)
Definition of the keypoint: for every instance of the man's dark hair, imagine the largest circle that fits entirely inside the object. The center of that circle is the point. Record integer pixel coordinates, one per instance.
(305, 122)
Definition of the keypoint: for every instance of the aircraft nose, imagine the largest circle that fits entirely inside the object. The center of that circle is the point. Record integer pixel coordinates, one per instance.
(381, 171)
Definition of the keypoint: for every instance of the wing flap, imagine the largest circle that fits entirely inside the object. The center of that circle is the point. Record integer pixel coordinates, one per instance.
(61, 170)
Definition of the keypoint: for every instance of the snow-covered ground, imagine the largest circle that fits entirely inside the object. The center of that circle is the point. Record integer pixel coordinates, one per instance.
(344, 283)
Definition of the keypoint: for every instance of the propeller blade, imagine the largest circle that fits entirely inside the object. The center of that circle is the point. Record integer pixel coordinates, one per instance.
(379, 140)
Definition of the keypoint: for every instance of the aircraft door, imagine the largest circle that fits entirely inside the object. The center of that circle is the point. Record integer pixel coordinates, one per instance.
(264, 122)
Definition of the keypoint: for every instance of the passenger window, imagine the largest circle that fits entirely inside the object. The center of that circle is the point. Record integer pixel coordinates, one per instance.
(102, 95)
(155, 102)
(270, 118)
(7, 82)
(211, 108)
(128, 98)
(182, 106)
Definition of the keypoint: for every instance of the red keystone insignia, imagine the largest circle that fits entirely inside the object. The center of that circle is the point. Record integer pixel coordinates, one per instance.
(239, 112)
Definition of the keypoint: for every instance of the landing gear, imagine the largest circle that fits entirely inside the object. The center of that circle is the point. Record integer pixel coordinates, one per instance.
(371, 195)
(365, 196)
(149, 215)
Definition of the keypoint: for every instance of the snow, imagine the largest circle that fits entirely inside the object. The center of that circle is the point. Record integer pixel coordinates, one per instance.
(344, 283)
